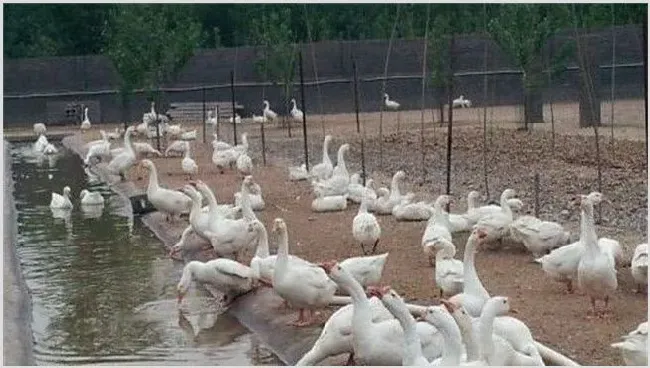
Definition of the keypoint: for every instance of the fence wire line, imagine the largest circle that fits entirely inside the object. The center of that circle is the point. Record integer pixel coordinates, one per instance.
(295, 84)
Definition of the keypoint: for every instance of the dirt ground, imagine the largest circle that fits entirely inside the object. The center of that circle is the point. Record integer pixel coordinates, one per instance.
(556, 319)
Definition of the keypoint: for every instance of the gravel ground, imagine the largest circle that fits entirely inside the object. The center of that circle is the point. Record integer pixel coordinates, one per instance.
(555, 318)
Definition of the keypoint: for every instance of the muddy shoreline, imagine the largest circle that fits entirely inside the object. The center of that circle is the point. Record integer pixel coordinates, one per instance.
(18, 345)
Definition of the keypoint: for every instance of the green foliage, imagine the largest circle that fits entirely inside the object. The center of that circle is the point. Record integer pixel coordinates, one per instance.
(523, 30)
(77, 29)
(278, 59)
(148, 44)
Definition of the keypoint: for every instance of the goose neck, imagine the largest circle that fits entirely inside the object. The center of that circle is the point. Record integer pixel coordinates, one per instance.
(588, 229)
(196, 207)
(472, 283)
(262, 250)
(363, 208)
(209, 195)
(471, 202)
(361, 315)
(153, 179)
(326, 157)
(411, 337)
(394, 186)
(505, 206)
(452, 346)
(341, 160)
(247, 209)
(127, 142)
(485, 330)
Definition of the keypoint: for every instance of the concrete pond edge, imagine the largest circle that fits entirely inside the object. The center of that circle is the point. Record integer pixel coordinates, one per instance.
(257, 310)
(18, 341)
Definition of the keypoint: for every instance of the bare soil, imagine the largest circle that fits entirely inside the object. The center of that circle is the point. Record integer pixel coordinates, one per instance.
(513, 157)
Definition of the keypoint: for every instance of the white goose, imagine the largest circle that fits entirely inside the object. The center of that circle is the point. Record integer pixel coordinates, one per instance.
(461, 102)
(437, 227)
(330, 203)
(465, 221)
(634, 347)
(496, 224)
(412, 355)
(85, 124)
(116, 134)
(365, 227)
(338, 183)
(390, 104)
(407, 210)
(61, 201)
(244, 164)
(178, 147)
(50, 149)
(355, 188)
(89, 198)
(452, 352)
(39, 128)
(219, 145)
(474, 294)
(562, 263)
(596, 268)
(263, 263)
(375, 341)
(337, 334)
(475, 213)
(255, 194)
(237, 119)
(367, 270)
(188, 136)
(100, 149)
(173, 130)
(395, 193)
(639, 267)
(382, 205)
(170, 202)
(40, 143)
(323, 170)
(268, 113)
(211, 119)
(229, 237)
(449, 271)
(538, 236)
(226, 276)
(296, 113)
(121, 163)
(188, 165)
(259, 119)
(304, 287)
(482, 337)
(298, 173)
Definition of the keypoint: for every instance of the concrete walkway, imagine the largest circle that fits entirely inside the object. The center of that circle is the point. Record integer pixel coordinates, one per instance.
(17, 308)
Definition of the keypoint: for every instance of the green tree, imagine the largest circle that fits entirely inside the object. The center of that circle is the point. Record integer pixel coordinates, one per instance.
(148, 44)
(278, 59)
(522, 31)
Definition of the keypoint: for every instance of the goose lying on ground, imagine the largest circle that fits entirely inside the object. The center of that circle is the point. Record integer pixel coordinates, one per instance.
(177, 147)
(255, 194)
(337, 185)
(298, 173)
(437, 228)
(406, 210)
(538, 236)
(448, 270)
(332, 203)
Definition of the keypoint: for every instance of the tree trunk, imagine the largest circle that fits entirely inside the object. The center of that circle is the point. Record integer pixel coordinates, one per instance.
(533, 106)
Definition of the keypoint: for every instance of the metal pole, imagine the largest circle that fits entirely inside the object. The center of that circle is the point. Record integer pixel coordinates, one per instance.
(356, 111)
(450, 90)
(263, 144)
(356, 97)
(203, 99)
(232, 94)
(537, 195)
(645, 76)
(304, 110)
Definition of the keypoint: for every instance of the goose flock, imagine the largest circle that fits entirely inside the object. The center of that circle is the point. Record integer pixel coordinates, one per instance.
(377, 327)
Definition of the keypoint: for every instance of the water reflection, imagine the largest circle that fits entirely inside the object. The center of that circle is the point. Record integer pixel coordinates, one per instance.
(103, 289)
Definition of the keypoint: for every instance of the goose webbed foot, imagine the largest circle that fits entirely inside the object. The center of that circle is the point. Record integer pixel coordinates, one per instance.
(351, 360)
(374, 247)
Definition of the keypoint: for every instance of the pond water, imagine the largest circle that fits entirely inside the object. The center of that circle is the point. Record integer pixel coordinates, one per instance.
(102, 287)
